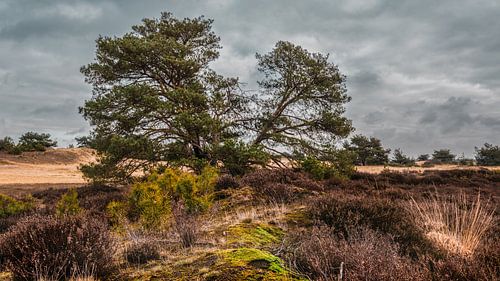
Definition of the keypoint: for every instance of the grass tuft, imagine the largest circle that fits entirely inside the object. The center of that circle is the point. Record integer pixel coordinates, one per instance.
(455, 224)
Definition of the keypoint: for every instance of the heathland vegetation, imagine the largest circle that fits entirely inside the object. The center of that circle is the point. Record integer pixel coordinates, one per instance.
(198, 179)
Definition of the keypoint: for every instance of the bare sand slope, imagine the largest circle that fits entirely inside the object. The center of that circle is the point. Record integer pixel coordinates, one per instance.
(39, 170)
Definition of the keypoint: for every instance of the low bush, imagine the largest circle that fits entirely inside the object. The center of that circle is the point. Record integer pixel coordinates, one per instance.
(226, 182)
(149, 201)
(10, 206)
(68, 204)
(343, 213)
(340, 165)
(280, 185)
(366, 255)
(46, 247)
(141, 252)
(186, 224)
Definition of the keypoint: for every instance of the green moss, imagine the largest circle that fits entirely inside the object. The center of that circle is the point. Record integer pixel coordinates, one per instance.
(233, 264)
(254, 234)
(255, 264)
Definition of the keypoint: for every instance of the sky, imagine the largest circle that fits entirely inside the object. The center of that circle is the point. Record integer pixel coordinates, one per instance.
(422, 75)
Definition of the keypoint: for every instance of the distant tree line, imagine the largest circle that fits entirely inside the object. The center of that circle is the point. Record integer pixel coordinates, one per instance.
(369, 151)
(30, 141)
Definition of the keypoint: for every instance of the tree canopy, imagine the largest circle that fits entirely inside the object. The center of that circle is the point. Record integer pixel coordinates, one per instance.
(401, 159)
(443, 156)
(156, 100)
(369, 151)
(488, 155)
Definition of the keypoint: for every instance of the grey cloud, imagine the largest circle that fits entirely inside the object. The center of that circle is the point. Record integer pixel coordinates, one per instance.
(421, 73)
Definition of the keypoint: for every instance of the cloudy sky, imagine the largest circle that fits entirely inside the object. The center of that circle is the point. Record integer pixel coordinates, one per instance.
(422, 74)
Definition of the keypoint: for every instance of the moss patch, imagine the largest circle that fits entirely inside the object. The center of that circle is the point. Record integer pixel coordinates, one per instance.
(255, 264)
(255, 235)
(233, 264)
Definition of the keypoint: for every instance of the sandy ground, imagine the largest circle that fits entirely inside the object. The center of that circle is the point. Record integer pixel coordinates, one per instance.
(58, 168)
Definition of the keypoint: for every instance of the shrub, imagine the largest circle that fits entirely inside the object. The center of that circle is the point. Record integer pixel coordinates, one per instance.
(366, 255)
(57, 248)
(149, 201)
(10, 206)
(343, 213)
(279, 185)
(148, 204)
(68, 204)
(340, 165)
(454, 224)
(116, 213)
(141, 252)
(226, 182)
(7, 144)
(185, 224)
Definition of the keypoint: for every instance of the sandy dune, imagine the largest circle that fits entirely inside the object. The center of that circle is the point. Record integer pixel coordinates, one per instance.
(40, 170)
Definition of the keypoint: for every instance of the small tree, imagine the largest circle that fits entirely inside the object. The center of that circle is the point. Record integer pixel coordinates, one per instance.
(7, 144)
(401, 159)
(32, 141)
(423, 157)
(369, 151)
(68, 204)
(443, 156)
(488, 155)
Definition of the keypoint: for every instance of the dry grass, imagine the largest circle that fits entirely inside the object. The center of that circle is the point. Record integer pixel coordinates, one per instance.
(455, 223)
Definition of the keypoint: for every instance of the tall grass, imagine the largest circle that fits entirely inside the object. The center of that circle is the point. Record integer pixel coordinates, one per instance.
(454, 223)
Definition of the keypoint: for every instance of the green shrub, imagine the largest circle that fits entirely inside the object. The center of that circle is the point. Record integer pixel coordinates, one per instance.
(7, 144)
(10, 206)
(148, 204)
(338, 165)
(150, 201)
(68, 204)
(116, 212)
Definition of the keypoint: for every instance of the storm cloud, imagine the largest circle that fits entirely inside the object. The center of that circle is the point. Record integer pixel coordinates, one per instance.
(422, 74)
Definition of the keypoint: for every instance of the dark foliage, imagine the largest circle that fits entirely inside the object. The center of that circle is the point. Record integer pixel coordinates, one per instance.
(443, 156)
(423, 157)
(57, 248)
(401, 159)
(142, 252)
(226, 182)
(369, 151)
(32, 141)
(488, 155)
